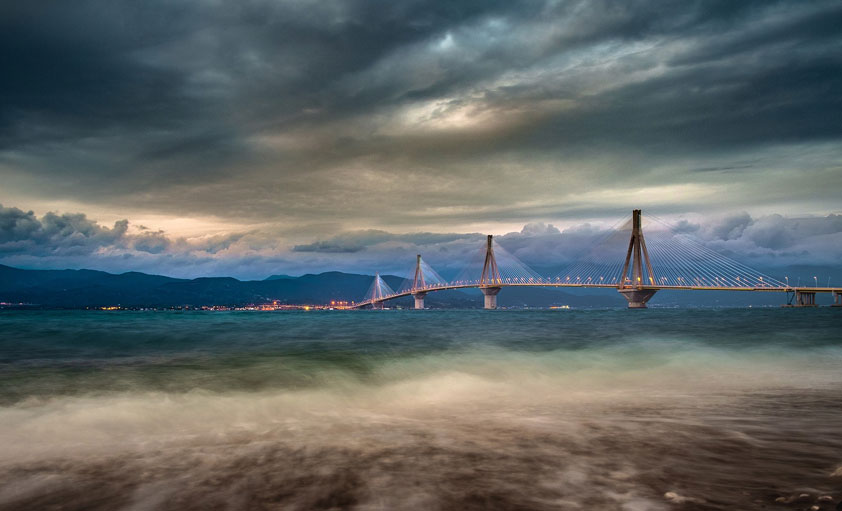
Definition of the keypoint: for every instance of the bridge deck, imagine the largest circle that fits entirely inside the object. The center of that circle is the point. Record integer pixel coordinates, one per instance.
(430, 289)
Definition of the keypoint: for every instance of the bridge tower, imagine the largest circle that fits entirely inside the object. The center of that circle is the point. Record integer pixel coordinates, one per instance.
(490, 280)
(418, 283)
(639, 289)
(377, 293)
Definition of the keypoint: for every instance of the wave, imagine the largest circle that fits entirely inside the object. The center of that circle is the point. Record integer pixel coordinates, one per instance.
(489, 381)
(529, 421)
(653, 364)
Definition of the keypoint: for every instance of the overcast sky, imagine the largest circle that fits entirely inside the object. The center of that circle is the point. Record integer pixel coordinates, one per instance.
(195, 138)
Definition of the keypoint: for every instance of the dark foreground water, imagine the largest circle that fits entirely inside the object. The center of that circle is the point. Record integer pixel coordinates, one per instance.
(391, 410)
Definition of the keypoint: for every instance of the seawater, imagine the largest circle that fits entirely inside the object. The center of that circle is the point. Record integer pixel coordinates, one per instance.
(386, 410)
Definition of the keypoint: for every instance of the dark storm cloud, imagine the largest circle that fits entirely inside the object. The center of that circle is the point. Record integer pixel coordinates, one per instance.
(773, 237)
(356, 241)
(71, 73)
(330, 247)
(94, 64)
(418, 114)
(151, 242)
(731, 227)
(53, 234)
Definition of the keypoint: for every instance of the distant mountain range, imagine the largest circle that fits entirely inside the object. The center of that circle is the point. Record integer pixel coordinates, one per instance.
(91, 288)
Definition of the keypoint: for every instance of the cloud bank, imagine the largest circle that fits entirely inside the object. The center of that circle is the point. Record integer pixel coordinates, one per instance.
(320, 118)
(72, 240)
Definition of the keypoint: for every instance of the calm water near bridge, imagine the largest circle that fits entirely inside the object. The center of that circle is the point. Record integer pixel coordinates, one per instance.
(570, 409)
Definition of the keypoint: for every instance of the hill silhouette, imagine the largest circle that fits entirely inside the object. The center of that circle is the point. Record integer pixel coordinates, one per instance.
(92, 288)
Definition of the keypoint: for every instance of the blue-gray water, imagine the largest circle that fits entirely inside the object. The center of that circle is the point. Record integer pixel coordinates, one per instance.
(612, 409)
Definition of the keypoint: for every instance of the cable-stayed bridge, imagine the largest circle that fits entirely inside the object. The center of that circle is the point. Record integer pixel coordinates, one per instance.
(623, 259)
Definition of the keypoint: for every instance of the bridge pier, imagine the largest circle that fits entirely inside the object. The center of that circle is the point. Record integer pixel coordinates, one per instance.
(490, 297)
(419, 299)
(837, 299)
(636, 255)
(638, 297)
(804, 298)
(377, 305)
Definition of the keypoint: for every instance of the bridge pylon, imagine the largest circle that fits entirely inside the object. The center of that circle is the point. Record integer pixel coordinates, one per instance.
(418, 284)
(639, 289)
(490, 280)
(378, 292)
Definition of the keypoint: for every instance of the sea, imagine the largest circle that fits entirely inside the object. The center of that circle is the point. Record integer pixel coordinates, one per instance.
(615, 409)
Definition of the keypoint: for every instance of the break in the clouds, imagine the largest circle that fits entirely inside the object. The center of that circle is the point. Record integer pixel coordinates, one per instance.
(280, 127)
